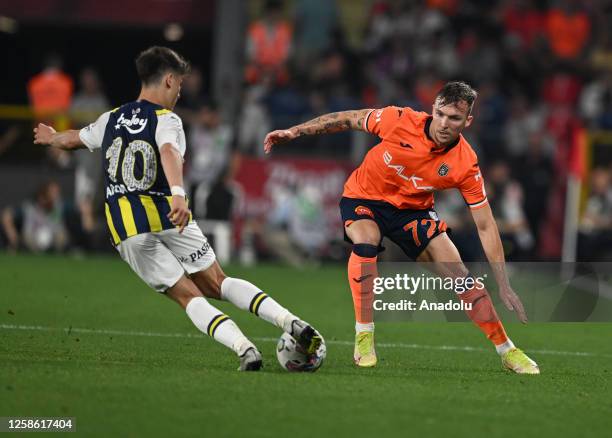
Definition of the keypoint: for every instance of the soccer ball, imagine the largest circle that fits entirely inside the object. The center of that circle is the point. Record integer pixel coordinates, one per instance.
(293, 358)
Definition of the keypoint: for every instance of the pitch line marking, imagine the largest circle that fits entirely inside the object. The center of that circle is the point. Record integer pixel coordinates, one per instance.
(70, 330)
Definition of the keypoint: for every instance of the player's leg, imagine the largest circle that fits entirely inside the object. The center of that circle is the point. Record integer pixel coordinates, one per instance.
(362, 271)
(447, 262)
(199, 261)
(246, 296)
(159, 268)
(214, 323)
(364, 233)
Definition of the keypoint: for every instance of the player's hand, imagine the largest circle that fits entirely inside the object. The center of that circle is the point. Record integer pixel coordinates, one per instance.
(280, 136)
(43, 134)
(179, 212)
(513, 302)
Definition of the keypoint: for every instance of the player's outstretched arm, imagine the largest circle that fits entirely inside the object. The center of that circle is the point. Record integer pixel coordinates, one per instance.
(172, 163)
(67, 140)
(492, 245)
(325, 124)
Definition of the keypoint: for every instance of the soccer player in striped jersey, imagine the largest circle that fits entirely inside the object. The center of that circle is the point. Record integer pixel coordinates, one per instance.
(391, 194)
(143, 144)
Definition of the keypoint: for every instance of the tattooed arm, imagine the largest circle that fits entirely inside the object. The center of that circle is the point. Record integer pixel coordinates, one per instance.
(325, 124)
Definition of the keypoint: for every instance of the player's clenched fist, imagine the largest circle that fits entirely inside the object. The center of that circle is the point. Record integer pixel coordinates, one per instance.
(43, 134)
(179, 213)
(279, 136)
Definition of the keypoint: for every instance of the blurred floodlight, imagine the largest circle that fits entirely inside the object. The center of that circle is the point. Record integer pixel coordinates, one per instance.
(173, 32)
(8, 25)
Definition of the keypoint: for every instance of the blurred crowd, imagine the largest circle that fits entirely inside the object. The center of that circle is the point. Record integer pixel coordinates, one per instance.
(543, 70)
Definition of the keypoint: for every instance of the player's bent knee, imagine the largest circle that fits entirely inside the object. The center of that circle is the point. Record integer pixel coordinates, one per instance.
(209, 281)
(364, 232)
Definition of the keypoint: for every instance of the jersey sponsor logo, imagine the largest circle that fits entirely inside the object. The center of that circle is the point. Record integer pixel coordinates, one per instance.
(133, 125)
(364, 211)
(443, 169)
(399, 170)
(196, 255)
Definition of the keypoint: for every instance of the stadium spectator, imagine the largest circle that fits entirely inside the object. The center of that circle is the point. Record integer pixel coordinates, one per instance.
(209, 157)
(254, 120)
(90, 99)
(192, 97)
(269, 45)
(594, 97)
(568, 29)
(491, 114)
(595, 238)
(87, 104)
(523, 23)
(295, 231)
(534, 171)
(561, 88)
(50, 93)
(40, 224)
(315, 23)
(524, 120)
(506, 198)
(481, 49)
(51, 90)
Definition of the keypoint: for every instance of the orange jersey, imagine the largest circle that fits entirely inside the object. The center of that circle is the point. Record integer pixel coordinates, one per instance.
(404, 169)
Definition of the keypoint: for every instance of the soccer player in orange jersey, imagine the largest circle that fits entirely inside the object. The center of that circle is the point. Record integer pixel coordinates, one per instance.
(391, 194)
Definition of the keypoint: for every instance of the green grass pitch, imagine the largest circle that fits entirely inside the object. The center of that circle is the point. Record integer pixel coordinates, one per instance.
(87, 339)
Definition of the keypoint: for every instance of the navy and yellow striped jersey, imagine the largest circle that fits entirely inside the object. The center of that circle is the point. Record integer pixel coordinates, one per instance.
(137, 193)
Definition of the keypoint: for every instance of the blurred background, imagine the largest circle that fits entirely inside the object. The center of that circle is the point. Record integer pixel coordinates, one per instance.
(543, 119)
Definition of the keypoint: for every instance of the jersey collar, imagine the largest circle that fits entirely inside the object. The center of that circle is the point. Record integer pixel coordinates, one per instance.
(438, 151)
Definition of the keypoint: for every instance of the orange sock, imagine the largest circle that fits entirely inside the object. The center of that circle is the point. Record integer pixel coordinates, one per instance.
(361, 274)
(484, 315)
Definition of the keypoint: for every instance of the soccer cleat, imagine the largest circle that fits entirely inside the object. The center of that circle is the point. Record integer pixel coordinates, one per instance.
(306, 336)
(365, 354)
(250, 360)
(517, 361)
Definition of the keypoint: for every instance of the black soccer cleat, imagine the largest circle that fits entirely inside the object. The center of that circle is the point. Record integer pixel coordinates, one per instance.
(306, 336)
(250, 360)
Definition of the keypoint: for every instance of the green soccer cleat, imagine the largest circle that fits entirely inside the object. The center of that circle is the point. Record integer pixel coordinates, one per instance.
(306, 336)
(517, 361)
(365, 354)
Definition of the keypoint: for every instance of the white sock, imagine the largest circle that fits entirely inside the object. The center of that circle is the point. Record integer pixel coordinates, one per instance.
(361, 327)
(503, 348)
(211, 321)
(247, 296)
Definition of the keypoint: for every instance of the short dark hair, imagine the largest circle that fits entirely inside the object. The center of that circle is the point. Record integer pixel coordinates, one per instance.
(455, 92)
(156, 61)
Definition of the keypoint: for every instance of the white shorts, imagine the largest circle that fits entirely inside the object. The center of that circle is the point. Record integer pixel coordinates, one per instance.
(161, 258)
